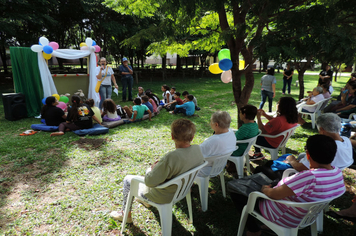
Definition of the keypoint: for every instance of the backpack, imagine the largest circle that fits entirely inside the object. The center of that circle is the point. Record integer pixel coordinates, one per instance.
(120, 111)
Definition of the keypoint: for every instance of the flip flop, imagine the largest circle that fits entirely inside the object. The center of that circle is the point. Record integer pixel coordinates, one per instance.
(28, 132)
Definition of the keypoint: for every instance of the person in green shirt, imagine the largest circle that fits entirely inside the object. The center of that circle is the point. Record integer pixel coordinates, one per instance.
(184, 158)
(137, 111)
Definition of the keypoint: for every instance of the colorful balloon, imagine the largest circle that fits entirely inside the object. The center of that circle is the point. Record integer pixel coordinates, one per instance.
(97, 48)
(214, 68)
(84, 48)
(62, 105)
(64, 99)
(46, 56)
(54, 45)
(56, 96)
(225, 64)
(226, 76)
(44, 101)
(224, 54)
(44, 41)
(94, 43)
(36, 48)
(241, 64)
(89, 41)
(83, 44)
(47, 49)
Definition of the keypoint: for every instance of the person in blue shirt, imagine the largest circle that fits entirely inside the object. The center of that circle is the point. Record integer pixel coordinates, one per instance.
(126, 79)
(187, 108)
(145, 101)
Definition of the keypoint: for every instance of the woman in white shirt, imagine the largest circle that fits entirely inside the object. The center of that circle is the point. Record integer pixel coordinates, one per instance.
(105, 73)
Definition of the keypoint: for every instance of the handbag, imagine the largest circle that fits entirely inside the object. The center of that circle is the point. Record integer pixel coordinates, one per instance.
(98, 83)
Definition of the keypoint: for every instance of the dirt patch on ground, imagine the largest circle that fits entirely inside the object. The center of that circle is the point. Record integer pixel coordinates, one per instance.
(89, 144)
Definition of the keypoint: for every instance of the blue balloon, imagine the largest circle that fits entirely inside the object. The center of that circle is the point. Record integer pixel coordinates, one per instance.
(44, 101)
(225, 64)
(94, 43)
(47, 49)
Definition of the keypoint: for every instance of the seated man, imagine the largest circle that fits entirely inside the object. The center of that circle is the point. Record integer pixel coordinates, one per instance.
(184, 158)
(306, 186)
(329, 124)
(222, 142)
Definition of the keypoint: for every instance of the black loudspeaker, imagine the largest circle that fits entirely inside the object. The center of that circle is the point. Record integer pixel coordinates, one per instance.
(14, 106)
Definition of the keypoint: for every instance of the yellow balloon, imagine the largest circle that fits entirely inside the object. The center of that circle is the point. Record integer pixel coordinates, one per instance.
(56, 96)
(83, 44)
(46, 56)
(241, 64)
(214, 68)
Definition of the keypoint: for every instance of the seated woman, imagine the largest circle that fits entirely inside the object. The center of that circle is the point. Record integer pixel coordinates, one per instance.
(314, 97)
(182, 159)
(53, 115)
(222, 142)
(80, 116)
(306, 186)
(326, 92)
(110, 113)
(287, 117)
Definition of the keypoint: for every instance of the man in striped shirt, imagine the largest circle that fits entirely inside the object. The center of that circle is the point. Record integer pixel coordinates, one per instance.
(322, 181)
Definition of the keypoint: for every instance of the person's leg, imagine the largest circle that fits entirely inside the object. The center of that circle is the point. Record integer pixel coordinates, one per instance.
(124, 86)
(289, 85)
(108, 91)
(284, 85)
(128, 111)
(102, 92)
(270, 101)
(263, 142)
(263, 98)
(130, 84)
(179, 110)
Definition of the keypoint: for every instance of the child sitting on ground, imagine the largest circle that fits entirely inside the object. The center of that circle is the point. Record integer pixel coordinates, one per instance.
(137, 111)
(166, 94)
(110, 112)
(187, 108)
(177, 101)
(172, 92)
(184, 158)
(141, 92)
(53, 115)
(79, 117)
(96, 110)
(185, 95)
(146, 103)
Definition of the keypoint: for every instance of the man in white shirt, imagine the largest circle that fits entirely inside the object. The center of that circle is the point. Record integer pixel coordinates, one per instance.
(222, 142)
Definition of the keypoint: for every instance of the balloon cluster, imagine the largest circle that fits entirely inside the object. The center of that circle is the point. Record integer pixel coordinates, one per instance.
(89, 43)
(224, 66)
(62, 101)
(45, 47)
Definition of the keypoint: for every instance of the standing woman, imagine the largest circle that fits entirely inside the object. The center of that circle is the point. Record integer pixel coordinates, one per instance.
(287, 78)
(105, 73)
(268, 88)
(126, 79)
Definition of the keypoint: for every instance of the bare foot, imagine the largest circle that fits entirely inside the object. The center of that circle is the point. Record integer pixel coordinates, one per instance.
(57, 133)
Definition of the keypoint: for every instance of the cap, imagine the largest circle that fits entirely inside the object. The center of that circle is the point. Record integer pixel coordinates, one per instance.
(124, 59)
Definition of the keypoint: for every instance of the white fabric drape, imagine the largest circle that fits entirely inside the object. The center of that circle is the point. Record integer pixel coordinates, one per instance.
(49, 87)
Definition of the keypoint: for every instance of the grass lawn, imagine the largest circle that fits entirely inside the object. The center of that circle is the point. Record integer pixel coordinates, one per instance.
(68, 185)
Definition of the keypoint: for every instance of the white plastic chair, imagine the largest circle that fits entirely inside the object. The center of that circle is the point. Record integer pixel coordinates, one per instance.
(312, 115)
(184, 182)
(325, 103)
(282, 145)
(217, 168)
(314, 208)
(240, 161)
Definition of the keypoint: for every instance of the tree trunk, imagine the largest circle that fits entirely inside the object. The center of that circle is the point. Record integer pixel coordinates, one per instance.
(3, 58)
(301, 82)
(178, 64)
(164, 67)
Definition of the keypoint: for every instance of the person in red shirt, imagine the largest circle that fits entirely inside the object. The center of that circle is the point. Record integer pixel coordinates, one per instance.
(287, 117)
(177, 101)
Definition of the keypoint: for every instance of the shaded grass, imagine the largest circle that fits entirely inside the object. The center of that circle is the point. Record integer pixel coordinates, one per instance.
(69, 185)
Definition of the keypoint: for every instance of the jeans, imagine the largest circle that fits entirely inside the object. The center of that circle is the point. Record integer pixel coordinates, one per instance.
(180, 110)
(263, 142)
(105, 92)
(264, 95)
(127, 81)
(286, 82)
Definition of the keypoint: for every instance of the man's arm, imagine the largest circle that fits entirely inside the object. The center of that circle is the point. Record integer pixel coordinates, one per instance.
(149, 114)
(274, 89)
(134, 116)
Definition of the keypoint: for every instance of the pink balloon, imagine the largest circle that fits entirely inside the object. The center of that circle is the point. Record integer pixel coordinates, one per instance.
(97, 48)
(226, 76)
(84, 48)
(62, 105)
(54, 45)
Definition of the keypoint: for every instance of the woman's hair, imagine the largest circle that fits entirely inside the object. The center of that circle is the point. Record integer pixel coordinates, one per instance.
(183, 130)
(90, 102)
(73, 114)
(152, 95)
(325, 86)
(319, 89)
(270, 71)
(141, 89)
(330, 122)
(109, 105)
(222, 118)
(101, 59)
(321, 148)
(249, 111)
(49, 101)
(166, 87)
(352, 84)
(288, 108)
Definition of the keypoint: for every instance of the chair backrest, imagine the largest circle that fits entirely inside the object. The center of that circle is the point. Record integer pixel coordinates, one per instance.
(218, 163)
(250, 142)
(184, 182)
(316, 105)
(286, 135)
(326, 101)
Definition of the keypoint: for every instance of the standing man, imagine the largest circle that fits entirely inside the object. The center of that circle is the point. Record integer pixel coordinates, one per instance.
(126, 79)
